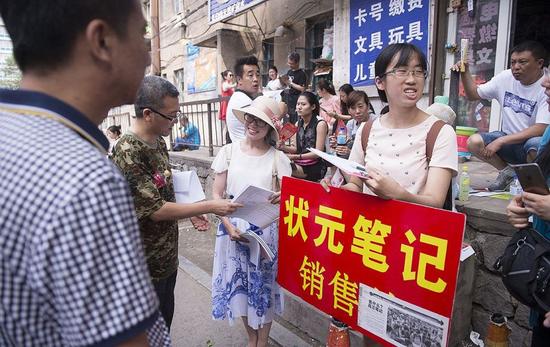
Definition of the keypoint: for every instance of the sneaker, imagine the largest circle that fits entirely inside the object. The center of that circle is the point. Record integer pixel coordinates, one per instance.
(504, 178)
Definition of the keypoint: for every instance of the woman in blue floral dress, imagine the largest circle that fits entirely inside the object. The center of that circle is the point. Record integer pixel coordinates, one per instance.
(243, 279)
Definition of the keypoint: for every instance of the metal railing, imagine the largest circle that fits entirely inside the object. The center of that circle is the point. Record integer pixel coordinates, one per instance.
(204, 115)
(122, 119)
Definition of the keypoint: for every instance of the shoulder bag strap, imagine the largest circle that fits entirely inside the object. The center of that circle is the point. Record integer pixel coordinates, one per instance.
(431, 137)
(430, 144)
(365, 134)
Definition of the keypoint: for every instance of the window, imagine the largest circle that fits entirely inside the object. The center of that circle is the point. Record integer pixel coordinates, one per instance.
(179, 81)
(268, 52)
(315, 30)
(178, 6)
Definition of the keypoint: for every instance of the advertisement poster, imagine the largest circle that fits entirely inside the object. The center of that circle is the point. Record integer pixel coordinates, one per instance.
(481, 31)
(200, 69)
(386, 268)
(377, 24)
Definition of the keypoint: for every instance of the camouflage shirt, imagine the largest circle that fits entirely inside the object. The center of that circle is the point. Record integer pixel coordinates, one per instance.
(147, 170)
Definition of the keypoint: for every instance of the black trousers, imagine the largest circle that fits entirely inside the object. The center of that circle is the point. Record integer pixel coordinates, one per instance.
(165, 292)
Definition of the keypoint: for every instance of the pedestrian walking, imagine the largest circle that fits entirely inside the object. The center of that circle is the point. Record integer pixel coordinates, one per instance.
(72, 269)
(227, 90)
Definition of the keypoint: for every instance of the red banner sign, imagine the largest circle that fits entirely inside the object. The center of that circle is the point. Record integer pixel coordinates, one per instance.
(386, 268)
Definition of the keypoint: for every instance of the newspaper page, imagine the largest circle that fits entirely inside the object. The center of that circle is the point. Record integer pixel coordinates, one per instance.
(398, 322)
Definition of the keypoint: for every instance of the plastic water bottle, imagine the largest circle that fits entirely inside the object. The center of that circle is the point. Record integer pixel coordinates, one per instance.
(464, 184)
(342, 135)
(515, 187)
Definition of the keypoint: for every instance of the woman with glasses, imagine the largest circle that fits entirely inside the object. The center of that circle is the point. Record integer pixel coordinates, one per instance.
(312, 133)
(395, 156)
(243, 279)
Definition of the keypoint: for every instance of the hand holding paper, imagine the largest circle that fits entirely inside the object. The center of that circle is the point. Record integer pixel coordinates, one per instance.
(257, 206)
(348, 166)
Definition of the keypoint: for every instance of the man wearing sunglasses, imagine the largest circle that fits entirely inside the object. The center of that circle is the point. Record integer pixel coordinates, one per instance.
(142, 156)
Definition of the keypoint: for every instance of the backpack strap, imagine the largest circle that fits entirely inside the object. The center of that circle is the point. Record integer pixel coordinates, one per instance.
(365, 134)
(431, 137)
(430, 143)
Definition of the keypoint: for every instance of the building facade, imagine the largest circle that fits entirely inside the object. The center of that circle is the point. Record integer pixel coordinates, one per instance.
(198, 36)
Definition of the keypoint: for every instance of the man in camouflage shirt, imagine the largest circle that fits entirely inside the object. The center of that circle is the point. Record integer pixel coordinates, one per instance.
(142, 156)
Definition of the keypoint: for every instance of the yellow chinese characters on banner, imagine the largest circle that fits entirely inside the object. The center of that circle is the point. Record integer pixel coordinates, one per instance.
(369, 238)
(332, 243)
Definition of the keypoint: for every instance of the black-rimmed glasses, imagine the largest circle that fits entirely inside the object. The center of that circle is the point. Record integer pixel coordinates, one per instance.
(403, 73)
(165, 116)
(248, 118)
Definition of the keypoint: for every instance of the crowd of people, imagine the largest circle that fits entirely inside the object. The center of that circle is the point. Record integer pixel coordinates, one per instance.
(89, 234)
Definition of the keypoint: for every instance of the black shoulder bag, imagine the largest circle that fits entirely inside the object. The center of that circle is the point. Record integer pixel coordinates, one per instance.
(525, 269)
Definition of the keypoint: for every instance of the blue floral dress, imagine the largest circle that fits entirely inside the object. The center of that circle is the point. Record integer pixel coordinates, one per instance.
(243, 279)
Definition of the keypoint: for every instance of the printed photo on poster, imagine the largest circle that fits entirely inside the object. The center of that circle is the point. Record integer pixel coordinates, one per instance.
(201, 70)
(399, 322)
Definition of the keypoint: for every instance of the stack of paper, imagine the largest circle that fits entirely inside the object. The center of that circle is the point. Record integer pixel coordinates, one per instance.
(259, 211)
(187, 187)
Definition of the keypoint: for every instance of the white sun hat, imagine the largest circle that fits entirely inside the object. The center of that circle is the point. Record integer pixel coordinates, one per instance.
(264, 108)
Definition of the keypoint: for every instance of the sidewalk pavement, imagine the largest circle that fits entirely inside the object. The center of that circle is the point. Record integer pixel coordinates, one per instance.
(193, 324)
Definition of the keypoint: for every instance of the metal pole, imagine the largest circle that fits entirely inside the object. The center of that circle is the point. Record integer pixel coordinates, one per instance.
(210, 140)
(155, 40)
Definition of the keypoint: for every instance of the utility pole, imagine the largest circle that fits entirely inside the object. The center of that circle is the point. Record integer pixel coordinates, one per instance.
(155, 40)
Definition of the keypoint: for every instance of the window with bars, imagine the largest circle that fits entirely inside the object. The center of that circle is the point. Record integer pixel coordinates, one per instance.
(268, 52)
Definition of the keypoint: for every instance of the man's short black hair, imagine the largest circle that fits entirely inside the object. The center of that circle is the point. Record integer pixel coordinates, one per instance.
(152, 92)
(536, 49)
(43, 32)
(294, 57)
(249, 60)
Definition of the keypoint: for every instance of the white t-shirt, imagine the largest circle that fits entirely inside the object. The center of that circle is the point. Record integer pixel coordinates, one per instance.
(401, 153)
(234, 126)
(247, 170)
(522, 106)
(274, 84)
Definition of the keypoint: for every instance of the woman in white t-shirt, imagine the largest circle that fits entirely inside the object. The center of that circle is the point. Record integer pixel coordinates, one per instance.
(395, 157)
(243, 279)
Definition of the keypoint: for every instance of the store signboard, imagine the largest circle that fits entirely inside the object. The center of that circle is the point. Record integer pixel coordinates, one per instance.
(375, 24)
(223, 9)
